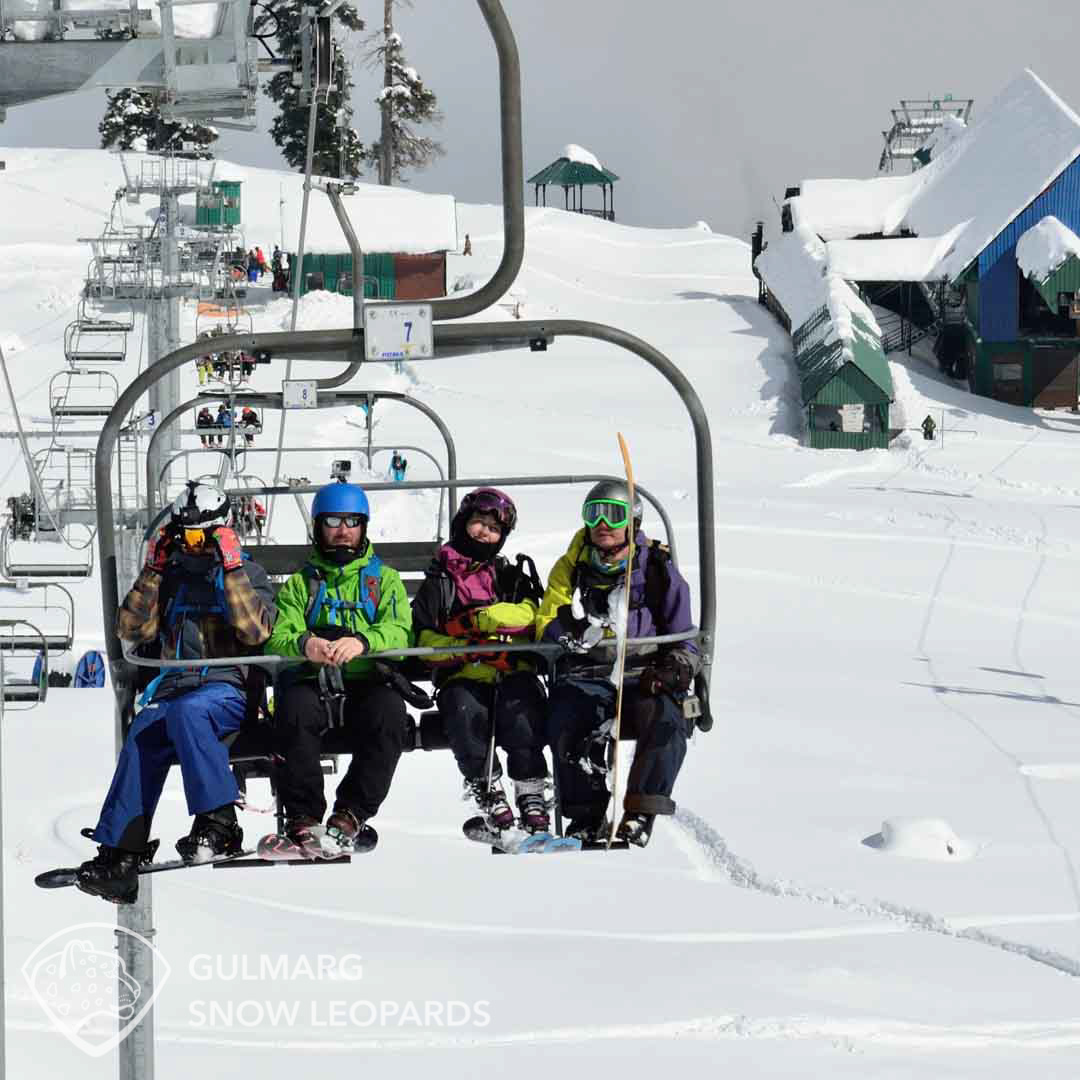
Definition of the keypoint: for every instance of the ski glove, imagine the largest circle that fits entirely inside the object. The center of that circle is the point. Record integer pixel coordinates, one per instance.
(669, 673)
(463, 625)
(158, 552)
(228, 544)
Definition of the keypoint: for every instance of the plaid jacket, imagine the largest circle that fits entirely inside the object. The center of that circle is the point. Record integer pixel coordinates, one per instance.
(195, 611)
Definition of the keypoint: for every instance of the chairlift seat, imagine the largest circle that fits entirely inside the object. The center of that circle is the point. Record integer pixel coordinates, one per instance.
(55, 643)
(44, 570)
(88, 356)
(105, 326)
(21, 691)
(80, 410)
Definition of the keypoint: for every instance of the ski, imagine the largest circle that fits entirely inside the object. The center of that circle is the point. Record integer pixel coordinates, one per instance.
(518, 841)
(65, 876)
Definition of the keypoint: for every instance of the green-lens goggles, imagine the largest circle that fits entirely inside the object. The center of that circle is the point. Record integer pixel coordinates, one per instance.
(612, 512)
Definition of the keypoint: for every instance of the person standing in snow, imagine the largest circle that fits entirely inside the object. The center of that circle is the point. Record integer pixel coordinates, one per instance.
(343, 604)
(200, 597)
(579, 610)
(472, 595)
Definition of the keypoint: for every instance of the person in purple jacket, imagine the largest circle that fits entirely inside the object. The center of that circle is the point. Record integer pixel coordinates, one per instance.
(584, 593)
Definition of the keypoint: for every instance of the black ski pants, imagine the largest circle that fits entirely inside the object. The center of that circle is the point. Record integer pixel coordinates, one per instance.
(374, 729)
(578, 709)
(518, 706)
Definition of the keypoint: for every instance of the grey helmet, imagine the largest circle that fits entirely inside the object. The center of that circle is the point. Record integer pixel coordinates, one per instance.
(612, 491)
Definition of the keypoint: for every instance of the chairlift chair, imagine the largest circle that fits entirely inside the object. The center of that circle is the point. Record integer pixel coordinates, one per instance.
(14, 569)
(82, 393)
(59, 641)
(93, 339)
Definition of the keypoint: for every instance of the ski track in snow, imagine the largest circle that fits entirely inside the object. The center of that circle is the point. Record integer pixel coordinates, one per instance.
(883, 1032)
(717, 858)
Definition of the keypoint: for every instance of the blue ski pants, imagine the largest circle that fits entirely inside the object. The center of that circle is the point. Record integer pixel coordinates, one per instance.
(578, 708)
(187, 729)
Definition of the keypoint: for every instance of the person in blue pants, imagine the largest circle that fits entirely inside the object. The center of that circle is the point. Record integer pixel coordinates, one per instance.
(199, 597)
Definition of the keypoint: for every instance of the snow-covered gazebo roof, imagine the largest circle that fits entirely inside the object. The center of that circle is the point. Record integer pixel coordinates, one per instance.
(577, 167)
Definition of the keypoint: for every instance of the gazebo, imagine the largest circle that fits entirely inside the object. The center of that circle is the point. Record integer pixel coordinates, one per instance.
(576, 170)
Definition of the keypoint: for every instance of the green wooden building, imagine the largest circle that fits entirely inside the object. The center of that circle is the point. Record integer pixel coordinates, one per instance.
(846, 386)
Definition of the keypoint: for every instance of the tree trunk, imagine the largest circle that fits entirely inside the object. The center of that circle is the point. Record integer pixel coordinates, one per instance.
(386, 139)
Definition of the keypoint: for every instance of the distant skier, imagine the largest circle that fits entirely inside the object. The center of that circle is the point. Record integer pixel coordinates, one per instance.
(468, 246)
(249, 422)
(398, 465)
(471, 594)
(343, 604)
(199, 598)
(252, 266)
(224, 419)
(578, 610)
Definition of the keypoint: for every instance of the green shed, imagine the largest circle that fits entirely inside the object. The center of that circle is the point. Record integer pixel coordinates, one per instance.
(846, 386)
(335, 274)
(218, 208)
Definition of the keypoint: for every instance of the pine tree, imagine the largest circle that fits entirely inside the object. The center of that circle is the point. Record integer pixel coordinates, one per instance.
(338, 149)
(133, 121)
(404, 102)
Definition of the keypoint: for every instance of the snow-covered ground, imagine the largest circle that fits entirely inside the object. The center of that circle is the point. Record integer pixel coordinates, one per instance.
(873, 871)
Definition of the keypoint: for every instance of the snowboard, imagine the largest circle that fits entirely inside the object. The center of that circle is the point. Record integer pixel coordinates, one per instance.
(518, 841)
(65, 876)
(324, 848)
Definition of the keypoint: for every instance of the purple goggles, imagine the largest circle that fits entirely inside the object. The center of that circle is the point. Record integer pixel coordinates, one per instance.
(491, 501)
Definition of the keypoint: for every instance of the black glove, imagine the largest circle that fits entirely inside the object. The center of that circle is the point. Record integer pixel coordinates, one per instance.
(670, 673)
(574, 627)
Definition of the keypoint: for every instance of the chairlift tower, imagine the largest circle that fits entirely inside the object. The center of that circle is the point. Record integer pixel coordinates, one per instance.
(913, 123)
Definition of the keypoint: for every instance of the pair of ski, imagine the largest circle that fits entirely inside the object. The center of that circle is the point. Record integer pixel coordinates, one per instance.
(516, 841)
(271, 848)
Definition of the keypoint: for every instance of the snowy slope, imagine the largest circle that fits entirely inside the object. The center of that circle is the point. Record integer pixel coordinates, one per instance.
(894, 645)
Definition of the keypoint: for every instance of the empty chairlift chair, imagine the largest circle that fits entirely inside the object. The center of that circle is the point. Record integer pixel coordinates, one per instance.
(82, 394)
(95, 338)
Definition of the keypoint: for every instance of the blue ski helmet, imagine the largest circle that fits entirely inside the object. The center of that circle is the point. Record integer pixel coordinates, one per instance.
(340, 498)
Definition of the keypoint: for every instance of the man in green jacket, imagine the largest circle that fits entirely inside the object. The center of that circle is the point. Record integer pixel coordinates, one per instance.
(344, 604)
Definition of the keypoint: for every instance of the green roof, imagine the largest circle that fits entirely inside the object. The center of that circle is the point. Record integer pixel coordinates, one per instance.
(819, 363)
(567, 173)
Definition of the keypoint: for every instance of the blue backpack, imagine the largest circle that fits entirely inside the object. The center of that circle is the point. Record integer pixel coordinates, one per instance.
(90, 670)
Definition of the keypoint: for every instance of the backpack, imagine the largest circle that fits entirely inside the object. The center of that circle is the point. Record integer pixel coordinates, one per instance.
(318, 595)
(90, 670)
(657, 579)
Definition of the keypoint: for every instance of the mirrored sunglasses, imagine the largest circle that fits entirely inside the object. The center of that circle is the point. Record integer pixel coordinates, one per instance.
(350, 521)
(613, 512)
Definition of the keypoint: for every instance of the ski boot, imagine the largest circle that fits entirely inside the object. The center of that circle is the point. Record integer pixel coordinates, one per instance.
(113, 874)
(491, 801)
(213, 834)
(532, 806)
(635, 829)
(351, 831)
(589, 830)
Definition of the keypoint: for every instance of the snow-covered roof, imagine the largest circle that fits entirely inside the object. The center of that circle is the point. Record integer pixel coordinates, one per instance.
(894, 259)
(971, 189)
(840, 209)
(795, 269)
(1044, 247)
(573, 152)
(385, 219)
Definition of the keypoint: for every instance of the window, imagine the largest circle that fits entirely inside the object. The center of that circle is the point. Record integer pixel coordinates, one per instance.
(1036, 317)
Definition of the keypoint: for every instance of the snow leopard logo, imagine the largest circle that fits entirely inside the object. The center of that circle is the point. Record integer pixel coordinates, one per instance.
(82, 982)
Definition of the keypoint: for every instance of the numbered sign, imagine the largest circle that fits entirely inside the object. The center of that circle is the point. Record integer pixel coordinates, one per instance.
(398, 332)
(299, 394)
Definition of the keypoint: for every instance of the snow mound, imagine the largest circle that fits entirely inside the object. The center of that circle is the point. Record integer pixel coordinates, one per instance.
(1044, 247)
(921, 838)
(578, 153)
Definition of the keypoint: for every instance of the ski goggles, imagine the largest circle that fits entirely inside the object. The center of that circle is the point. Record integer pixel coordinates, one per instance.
(193, 538)
(350, 521)
(614, 513)
(491, 501)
